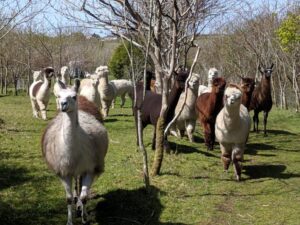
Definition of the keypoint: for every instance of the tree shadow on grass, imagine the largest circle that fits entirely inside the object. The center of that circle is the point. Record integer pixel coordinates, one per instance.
(283, 132)
(110, 120)
(12, 176)
(253, 148)
(182, 149)
(121, 115)
(129, 207)
(265, 171)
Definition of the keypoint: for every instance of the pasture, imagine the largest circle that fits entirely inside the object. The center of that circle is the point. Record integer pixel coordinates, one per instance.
(192, 187)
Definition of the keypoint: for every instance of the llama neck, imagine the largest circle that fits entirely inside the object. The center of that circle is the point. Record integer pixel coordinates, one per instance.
(216, 100)
(191, 97)
(64, 80)
(172, 102)
(69, 125)
(46, 83)
(232, 116)
(266, 86)
(246, 99)
(103, 81)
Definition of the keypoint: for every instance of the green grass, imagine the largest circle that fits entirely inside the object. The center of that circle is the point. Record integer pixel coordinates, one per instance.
(192, 187)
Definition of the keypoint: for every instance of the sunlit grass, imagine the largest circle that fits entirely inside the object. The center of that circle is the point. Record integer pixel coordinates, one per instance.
(192, 187)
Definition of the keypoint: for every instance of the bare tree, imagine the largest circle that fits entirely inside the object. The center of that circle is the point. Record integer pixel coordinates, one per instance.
(174, 28)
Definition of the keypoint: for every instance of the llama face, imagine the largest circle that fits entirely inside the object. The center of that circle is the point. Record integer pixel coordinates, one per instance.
(67, 99)
(101, 71)
(232, 96)
(212, 73)
(194, 82)
(219, 84)
(266, 72)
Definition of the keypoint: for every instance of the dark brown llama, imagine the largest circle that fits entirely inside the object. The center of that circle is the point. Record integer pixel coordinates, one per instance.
(209, 105)
(247, 86)
(151, 106)
(261, 98)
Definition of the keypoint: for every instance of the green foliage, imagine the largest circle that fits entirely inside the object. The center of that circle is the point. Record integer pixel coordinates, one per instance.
(289, 32)
(119, 64)
(192, 187)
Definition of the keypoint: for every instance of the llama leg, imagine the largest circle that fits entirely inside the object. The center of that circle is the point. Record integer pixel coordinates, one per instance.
(113, 103)
(104, 109)
(42, 107)
(207, 135)
(35, 108)
(190, 130)
(173, 131)
(213, 136)
(77, 191)
(226, 157)
(122, 100)
(237, 156)
(87, 181)
(67, 183)
(255, 122)
(265, 123)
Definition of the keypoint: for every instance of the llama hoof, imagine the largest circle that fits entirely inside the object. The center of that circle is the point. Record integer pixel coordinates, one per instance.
(238, 178)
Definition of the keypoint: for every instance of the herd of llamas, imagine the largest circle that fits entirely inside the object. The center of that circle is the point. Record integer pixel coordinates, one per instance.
(75, 141)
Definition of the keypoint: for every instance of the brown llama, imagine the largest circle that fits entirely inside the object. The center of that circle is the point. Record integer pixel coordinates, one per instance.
(247, 86)
(151, 106)
(261, 98)
(209, 105)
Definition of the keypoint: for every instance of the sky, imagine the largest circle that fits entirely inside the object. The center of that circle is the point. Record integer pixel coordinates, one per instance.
(52, 16)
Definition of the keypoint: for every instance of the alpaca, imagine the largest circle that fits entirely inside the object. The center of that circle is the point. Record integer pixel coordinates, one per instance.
(212, 73)
(187, 119)
(64, 78)
(208, 106)
(74, 144)
(151, 106)
(107, 91)
(232, 129)
(261, 98)
(39, 92)
(89, 89)
(122, 88)
(247, 86)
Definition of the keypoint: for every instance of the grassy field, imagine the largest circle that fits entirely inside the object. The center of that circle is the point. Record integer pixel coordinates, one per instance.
(192, 187)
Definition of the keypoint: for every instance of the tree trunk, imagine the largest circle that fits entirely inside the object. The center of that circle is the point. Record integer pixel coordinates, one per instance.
(160, 126)
(274, 92)
(159, 147)
(143, 150)
(5, 82)
(296, 88)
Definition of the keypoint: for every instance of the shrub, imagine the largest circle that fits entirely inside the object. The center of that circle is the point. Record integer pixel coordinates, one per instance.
(119, 64)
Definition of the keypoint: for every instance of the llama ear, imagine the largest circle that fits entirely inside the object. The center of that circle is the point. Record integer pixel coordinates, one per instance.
(76, 85)
(272, 66)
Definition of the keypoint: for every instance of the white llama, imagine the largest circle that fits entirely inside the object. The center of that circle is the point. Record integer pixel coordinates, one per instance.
(212, 73)
(232, 129)
(64, 77)
(186, 121)
(74, 144)
(39, 92)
